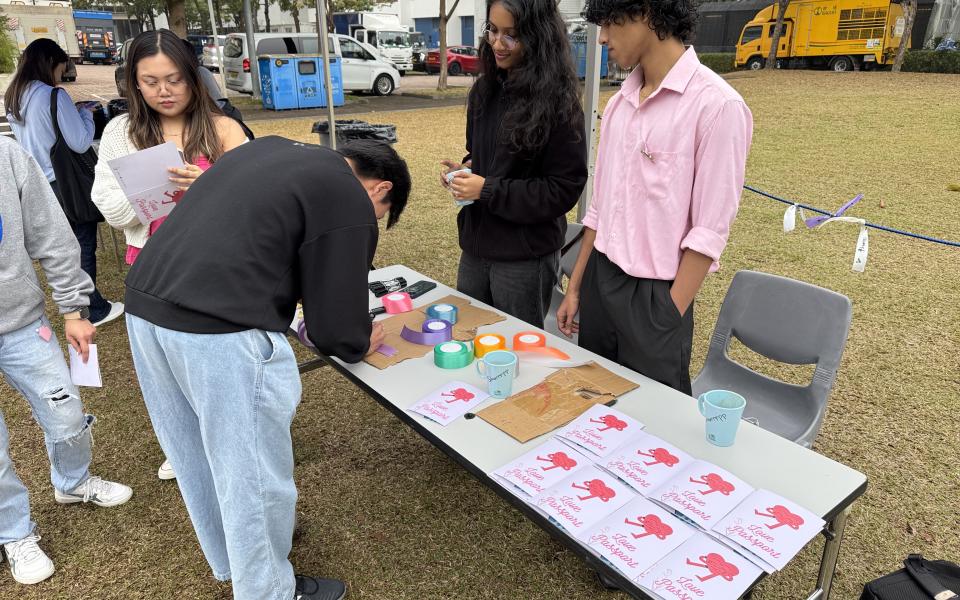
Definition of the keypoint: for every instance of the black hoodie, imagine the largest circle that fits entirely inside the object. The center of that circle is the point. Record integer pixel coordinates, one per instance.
(521, 213)
(273, 221)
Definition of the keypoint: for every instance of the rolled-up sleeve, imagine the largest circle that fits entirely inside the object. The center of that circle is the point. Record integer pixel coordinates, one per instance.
(721, 159)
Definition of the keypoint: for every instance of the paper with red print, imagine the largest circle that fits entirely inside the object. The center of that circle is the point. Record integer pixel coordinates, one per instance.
(542, 468)
(583, 499)
(646, 462)
(703, 492)
(637, 536)
(145, 181)
(701, 568)
(770, 527)
(600, 430)
(450, 402)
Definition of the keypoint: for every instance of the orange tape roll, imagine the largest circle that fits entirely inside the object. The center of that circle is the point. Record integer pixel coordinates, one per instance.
(488, 342)
(528, 340)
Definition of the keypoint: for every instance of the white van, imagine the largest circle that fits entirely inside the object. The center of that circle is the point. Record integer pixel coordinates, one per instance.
(363, 68)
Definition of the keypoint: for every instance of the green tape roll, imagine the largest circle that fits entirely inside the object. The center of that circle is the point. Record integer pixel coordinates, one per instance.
(452, 355)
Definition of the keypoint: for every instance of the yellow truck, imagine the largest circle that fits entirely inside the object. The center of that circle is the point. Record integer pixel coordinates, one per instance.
(837, 34)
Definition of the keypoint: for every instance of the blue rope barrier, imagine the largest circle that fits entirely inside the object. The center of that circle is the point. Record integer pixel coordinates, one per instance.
(868, 224)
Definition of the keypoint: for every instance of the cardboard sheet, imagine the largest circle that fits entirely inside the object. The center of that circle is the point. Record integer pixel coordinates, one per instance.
(557, 400)
(469, 319)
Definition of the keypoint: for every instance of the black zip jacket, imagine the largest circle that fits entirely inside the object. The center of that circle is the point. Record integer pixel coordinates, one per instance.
(273, 221)
(521, 211)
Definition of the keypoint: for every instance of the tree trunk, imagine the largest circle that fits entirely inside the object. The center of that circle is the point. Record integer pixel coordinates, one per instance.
(216, 12)
(775, 38)
(909, 13)
(330, 26)
(153, 22)
(266, 14)
(295, 13)
(444, 19)
(177, 17)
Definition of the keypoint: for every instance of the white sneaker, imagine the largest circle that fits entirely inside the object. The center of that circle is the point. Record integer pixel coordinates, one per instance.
(28, 563)
(116, 309)
(96, 490)
(165, 471)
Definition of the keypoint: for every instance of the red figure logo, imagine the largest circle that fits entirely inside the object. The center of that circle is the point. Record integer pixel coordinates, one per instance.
(558, 459)
(717, 567)
(660, 456)
(715, 483)
(652, 525)
(610, 422)
(597, 489)
(458, 394)
(783, 516)
(174, 196)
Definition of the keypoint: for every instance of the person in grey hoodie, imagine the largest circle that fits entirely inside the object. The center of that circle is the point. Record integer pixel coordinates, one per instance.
(34, 228)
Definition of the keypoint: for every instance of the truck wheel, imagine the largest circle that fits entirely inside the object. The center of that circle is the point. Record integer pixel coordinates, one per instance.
(456, 69)
(841, 64)
(755, 63)
(383, 85)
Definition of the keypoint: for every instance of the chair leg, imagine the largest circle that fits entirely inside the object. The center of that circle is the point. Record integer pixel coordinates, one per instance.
(116, 249)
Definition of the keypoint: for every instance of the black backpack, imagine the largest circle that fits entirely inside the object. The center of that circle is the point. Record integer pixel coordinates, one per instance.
(920, 579)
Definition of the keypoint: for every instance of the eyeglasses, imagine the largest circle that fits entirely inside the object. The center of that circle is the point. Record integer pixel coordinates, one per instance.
(491, 36)
(173, 87)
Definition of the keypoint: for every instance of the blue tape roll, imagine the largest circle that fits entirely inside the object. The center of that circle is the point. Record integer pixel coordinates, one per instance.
(444, 312)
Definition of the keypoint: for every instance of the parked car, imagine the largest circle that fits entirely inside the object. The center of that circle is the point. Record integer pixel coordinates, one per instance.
(363, 68)
(213, 53)
(460, 59)
(119, 73)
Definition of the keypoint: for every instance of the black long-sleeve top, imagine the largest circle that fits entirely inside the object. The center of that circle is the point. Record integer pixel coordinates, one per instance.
(273, 221)
(521, 211)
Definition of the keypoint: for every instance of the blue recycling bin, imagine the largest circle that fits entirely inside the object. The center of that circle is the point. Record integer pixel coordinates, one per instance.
(278, 81)
(578, 44)
(311, 89)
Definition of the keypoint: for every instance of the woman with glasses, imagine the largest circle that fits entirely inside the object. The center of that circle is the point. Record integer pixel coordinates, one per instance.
(527, 152)
(28, 102)
(167, 104)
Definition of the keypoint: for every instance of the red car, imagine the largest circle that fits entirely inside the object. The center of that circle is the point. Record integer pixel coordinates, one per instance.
(460, 59)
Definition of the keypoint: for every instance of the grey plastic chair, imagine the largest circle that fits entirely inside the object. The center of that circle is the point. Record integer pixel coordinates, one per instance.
(568, 258)
(788, 321)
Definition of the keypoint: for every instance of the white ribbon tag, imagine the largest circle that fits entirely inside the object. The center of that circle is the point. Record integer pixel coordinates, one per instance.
(790, 218)
(863, 246)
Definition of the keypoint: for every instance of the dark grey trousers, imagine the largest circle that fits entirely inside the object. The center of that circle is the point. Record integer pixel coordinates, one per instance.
(634, 322)
(520, 288)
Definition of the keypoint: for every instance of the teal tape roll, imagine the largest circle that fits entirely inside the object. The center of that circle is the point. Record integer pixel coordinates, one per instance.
(444, 312)
(452, 355)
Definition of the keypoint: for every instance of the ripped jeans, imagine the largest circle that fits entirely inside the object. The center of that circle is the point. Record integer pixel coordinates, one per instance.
(37, 369)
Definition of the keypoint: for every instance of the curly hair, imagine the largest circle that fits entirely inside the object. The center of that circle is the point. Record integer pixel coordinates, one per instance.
(668, 18)
(544, 86)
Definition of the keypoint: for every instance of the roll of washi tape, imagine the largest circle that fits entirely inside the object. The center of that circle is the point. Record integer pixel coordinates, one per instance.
(527, 340)
(488, 342)
(302, 334)
(446, 312)
(433, 332)
(452, 355)
(397, 302)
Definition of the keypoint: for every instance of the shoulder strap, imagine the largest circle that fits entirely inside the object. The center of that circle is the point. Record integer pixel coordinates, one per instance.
(53, 114)
(921, 573)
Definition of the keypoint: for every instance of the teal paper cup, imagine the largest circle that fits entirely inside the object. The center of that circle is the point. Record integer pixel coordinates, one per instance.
(722, 410)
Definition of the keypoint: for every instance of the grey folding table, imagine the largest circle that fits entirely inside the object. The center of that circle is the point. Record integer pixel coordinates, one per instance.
(761, 458)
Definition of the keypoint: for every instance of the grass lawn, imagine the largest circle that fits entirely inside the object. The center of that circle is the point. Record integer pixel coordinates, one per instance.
(394, 517)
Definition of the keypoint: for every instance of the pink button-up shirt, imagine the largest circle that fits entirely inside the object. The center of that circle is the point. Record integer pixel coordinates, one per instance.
(670, 170)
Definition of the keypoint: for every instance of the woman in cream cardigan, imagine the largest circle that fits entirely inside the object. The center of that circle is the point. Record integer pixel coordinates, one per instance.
(167, 104)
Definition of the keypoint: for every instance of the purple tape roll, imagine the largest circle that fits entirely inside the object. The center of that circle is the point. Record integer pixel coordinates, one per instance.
(433, 332)
(302, 334)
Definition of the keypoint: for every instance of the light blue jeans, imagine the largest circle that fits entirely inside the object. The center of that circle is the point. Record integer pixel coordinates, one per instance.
(37, 369)
(222, 405)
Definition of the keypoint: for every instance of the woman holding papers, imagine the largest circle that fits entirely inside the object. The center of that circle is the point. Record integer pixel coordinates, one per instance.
(527, 151)
(167, 104)
(29, 101)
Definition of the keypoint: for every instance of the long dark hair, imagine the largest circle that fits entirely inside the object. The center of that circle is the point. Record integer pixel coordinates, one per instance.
(200, 133)
(37, 63)
(544, 87)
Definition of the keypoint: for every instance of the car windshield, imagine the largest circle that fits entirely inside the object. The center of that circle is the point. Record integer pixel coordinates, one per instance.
(393, 39)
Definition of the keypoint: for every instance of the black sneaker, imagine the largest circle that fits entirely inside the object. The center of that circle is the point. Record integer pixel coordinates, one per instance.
(312, 588)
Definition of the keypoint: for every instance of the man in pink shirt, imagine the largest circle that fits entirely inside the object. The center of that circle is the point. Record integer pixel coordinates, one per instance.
(669, 173)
